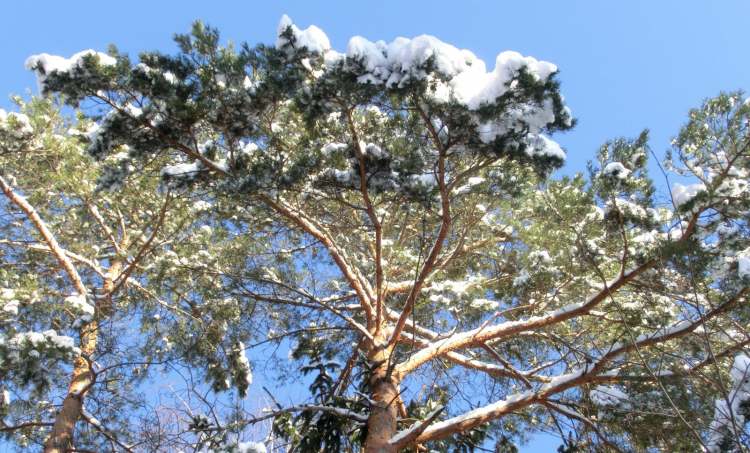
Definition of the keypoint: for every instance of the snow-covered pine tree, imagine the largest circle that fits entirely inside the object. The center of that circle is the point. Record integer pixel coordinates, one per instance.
(101, 291)
(406, 188)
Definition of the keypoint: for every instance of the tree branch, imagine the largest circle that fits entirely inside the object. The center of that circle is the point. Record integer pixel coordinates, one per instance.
(46, 234)
(437, 246)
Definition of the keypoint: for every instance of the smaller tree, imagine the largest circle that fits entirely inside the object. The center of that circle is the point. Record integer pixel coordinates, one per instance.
(100, 290)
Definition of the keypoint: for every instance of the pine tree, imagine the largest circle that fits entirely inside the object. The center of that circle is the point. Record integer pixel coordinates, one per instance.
(82, 270)
(391, 210)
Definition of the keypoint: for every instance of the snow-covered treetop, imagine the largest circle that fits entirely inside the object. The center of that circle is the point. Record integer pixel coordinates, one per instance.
(232, 98)
(458, 74)
(15, 129)
(312, 38)
(44, 63)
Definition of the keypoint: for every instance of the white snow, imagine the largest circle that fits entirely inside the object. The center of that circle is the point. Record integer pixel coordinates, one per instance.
(248, 149)
(200, 205)
(728, 416)
(19, 119)
(372, 56)
(469, 82)
(183, 169)
(470, 182)
(79, 304)
(45, 64)
(244, 363)
(561, 380)
(646, 238)
(605, 395)
(626, 207)
(484, 304)
(313, 38)
(682, 194)
(740, 371)
(616, 169)
(170, 77)
(481, 412)
(664, 331)
(540, 256)
(418, 425)
(743, 263)
(475, 180)
(503, 405)
(456, 287)
(453, 75)
(11, 307)
(425, 180)
(733, 187)
(332, 148)
(464, 78)
(373, 150)
(541, 145)
(132, 110)
(521, 278)
(251, 447)
(39, 338)
(342, 176)
(457, 340)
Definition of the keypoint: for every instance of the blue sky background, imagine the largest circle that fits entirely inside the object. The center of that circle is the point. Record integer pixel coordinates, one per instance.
(624, 66)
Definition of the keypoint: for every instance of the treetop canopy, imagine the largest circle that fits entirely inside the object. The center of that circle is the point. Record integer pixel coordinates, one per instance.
(220, 106)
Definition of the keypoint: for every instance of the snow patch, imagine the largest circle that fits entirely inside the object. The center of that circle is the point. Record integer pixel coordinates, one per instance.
(616, 170)
(682, 194)
(313, 38)
(244, 363)
(79, 304)
(743, 263)
(605, 395)
(543, 146)
(45, 64)
(20, 120)
(468, 81)
(729, 416)
(251, 447)
(181, 170)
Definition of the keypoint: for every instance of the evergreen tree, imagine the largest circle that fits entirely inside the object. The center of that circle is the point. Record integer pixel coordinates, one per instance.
(391, 210)
(104, 287)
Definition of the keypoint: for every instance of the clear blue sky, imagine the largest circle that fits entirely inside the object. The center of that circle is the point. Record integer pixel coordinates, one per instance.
(624, 65)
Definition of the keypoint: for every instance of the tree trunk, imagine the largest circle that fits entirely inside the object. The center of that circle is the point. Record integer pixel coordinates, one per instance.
(384, 391)
(60, 439)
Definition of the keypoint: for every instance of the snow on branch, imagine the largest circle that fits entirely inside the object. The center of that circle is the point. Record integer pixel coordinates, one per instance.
(485, 333)
(45, 64)
(405, 437)
(40, 247)
(729, 416)
(465, 361)
(340, 411)
(562, 382)
(46, 234)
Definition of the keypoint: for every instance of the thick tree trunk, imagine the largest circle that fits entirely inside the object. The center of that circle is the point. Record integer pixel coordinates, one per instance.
(384, 391)
(60, 439)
